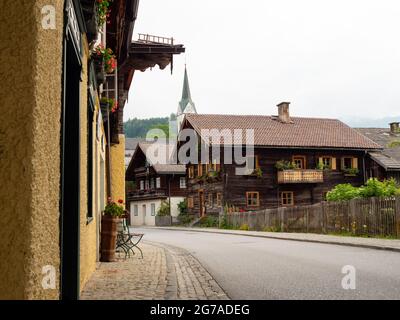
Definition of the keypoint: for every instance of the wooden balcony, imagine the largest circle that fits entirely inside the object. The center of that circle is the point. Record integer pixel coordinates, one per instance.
(300, 176)
(146, 194)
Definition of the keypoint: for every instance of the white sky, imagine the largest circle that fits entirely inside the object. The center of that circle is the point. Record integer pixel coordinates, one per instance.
(329, 58)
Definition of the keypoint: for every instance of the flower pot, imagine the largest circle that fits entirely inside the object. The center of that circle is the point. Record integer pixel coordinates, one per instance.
(99, 69)
(108, 238)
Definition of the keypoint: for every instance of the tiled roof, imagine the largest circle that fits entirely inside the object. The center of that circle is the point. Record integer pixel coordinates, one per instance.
(301, 132)
(390, 158)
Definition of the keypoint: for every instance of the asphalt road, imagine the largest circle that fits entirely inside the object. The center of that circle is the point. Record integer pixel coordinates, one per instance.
(260, 268)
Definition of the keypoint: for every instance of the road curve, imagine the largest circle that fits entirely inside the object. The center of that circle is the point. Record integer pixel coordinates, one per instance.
(259, 268)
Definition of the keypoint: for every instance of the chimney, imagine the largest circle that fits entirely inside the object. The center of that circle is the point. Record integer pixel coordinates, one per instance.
(394, 127)
(283, 109)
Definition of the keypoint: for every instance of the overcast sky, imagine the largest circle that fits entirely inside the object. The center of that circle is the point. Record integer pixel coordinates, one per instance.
(329, 58)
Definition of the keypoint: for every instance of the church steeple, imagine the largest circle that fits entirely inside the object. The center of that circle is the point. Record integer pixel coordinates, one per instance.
(186, 105)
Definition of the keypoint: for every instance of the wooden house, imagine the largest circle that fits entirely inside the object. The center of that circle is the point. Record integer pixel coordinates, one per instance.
(384, 164)
(313, 155)
(154, 182)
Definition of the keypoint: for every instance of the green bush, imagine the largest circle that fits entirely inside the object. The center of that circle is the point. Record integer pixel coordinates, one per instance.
(209, 222)
(244, 227)
(272, 229)
(164, 209)
(373, 188)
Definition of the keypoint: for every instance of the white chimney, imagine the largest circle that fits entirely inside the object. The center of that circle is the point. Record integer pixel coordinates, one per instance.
(283, 112)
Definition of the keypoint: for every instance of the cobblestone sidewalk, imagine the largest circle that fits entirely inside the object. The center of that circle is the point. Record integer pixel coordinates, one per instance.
(164, 273)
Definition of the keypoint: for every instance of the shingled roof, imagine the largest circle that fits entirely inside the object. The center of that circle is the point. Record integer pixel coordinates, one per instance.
(162, 162)
(269, 131)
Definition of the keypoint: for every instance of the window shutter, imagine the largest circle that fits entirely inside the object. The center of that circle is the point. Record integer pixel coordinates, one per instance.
(355, 163)
(342, 164)
(334, 167)
(321, 161)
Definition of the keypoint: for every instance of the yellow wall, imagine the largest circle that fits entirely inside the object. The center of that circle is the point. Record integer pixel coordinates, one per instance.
(118, 169)
(30, 108)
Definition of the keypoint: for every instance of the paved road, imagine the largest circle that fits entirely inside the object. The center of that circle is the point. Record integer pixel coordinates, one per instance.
(259, 268)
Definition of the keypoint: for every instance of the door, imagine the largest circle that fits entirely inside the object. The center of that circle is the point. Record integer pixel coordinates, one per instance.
(201, 203)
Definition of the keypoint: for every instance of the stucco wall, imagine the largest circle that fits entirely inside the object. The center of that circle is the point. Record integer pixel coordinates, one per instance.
(118, 169)
(148, 219)
(30, 108)
(87, 228)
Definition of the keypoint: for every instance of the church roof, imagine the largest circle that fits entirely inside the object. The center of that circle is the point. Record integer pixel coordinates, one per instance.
(186, 96)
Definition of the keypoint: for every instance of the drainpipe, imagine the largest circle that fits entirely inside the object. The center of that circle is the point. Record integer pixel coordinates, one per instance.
(108, 153)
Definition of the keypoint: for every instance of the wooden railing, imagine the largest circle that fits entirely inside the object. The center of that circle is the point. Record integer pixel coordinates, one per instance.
(301, 176)
(146, 193)
(376, 217)
(147, 38)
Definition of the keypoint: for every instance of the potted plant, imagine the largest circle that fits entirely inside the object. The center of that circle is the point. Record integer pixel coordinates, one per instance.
(111, 216)
(351, 172)
(258, 173)
(104, 62)
(111, 103)
(282, 165)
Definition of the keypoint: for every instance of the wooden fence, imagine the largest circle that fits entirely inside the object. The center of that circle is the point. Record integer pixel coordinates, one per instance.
(360, 217)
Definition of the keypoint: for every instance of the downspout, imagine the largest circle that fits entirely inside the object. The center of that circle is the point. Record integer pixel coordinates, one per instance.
(109, 152)
(169, 192)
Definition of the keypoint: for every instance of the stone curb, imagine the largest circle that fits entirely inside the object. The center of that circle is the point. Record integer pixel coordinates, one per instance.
(335, 240)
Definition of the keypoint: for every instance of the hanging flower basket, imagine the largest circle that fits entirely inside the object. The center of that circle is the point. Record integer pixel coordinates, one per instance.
(103, 12)
(108, 57)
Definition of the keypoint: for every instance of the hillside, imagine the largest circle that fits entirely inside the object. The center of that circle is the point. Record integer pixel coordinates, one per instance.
(138, 128)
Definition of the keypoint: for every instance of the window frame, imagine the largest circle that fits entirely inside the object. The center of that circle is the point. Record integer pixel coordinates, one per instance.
(281, 198)
(249, 195)
(190, 202)
(210, 200)
(135, 210)
(158, 182)
(303, 159)
(153, 209)
(219, 199)
(184, 185)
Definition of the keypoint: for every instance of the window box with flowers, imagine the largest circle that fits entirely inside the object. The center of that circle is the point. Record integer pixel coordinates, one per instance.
(112, 214)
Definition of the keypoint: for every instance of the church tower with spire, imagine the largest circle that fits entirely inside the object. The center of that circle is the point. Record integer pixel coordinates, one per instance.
(186, 105)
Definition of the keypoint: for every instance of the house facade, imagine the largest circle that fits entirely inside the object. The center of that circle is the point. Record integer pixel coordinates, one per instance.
(386, 163)
(154, 183)
(294, 161)
(61, 137)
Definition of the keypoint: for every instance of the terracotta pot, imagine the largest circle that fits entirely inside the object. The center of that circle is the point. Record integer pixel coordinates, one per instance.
(108, 238)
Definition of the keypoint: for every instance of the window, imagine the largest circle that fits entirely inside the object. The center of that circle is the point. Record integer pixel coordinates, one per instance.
(252, 163)
(158, 183)
(300, 162)
(152, 183)
(141, 184)
(327, 162)
(219, 199)
(153, 209)
(287, 198)
(325, 195)
(252, 199)
(182, 182)
(190, 202)
(210, 200)
(349, 163)
(144, 210)
(135, 210)
(191, 172)
(147, 185)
